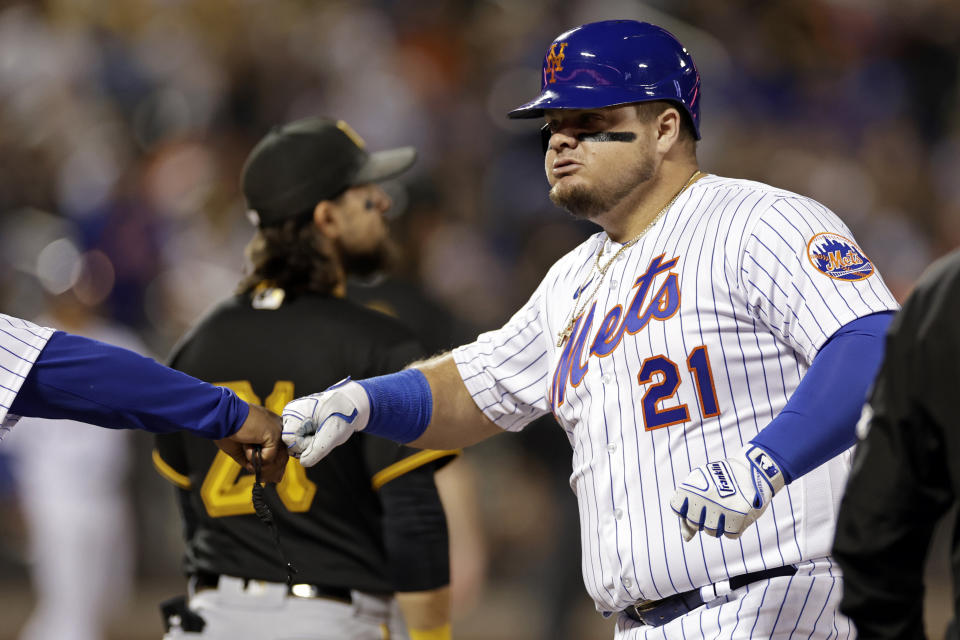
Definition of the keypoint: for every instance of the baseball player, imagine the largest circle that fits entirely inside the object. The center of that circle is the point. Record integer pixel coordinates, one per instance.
(368, 522)
(46, 373)
(707, 354)
(904, 478)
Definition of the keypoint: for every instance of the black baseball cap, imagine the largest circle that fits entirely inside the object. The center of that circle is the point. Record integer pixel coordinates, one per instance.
(298, 164)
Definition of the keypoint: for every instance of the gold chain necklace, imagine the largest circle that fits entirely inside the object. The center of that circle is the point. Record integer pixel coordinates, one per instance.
(583, 302)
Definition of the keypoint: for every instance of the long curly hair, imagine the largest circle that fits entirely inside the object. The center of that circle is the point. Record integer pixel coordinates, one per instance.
(293, 256)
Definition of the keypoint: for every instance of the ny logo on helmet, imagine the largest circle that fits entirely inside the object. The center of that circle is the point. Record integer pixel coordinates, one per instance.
(555, 61)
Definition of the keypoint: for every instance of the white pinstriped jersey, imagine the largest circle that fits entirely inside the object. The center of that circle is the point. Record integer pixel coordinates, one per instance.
(698, 335)
(20, 344)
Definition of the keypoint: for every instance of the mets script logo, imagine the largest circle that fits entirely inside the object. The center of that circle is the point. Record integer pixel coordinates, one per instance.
(647, 304)
(554, 62)
(837, 257)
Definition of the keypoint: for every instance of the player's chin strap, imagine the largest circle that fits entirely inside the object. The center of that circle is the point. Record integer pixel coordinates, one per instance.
(265, 515)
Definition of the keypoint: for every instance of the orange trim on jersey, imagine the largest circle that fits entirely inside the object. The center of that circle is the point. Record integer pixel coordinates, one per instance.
(696, 381)
(661, 302)
(169, 472)
(637, 316)
(561, 374)
(408, 464)
(576, 352)
(654, 385)
(608, 328)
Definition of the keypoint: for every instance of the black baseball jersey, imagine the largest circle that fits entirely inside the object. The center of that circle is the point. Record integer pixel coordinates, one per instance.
(330, 515)
(906, 471)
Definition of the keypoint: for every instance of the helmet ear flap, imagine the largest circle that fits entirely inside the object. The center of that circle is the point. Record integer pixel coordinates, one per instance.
(545, 138)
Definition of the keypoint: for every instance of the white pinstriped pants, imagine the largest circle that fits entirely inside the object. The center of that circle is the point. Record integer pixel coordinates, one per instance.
(800, 606)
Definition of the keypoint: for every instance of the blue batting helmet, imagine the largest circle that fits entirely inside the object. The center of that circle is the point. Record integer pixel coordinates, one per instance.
(616, 62)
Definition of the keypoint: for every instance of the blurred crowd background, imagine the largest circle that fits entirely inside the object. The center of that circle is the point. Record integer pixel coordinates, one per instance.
(124, 125)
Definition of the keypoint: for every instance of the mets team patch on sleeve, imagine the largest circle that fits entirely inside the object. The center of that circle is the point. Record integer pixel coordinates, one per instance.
(841, 259)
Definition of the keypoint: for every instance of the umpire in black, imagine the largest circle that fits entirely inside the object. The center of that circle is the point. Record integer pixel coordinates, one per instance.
(365, 530)
(906, 471)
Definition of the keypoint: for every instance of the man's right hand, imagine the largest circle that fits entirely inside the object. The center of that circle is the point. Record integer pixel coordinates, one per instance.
(261, 428)
(313, 425)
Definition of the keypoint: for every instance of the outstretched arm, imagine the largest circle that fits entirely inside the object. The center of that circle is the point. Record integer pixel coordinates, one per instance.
(89, 381)
(426, 406)
(456, 421)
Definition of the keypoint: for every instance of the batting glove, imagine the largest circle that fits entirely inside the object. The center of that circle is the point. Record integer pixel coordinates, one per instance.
(727, 496)
(313, 425)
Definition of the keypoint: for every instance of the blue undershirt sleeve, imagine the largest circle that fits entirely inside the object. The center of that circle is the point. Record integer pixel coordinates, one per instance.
(86, 380)
(818, 422)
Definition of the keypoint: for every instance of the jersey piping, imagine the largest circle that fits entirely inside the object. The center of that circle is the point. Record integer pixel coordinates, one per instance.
(408, 464)
(169, 472)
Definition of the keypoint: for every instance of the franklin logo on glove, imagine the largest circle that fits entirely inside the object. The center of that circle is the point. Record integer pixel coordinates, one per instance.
(742, 487)
(720, 474)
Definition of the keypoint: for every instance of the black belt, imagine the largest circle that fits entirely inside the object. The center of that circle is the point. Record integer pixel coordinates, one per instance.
(659, 612)
(208, 580)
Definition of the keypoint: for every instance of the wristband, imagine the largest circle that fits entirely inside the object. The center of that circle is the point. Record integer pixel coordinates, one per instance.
(401, 405)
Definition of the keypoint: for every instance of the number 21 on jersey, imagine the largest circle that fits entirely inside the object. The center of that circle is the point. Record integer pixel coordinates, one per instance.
(698, 362)
(225, 492)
